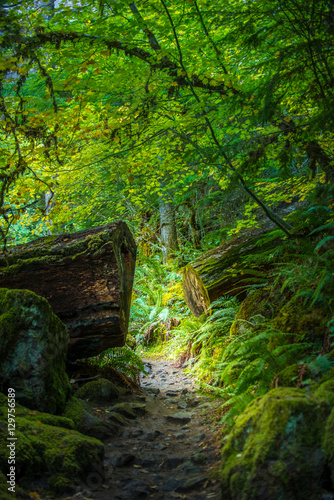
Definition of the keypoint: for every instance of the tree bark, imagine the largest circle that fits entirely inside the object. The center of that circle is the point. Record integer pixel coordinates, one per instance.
(195, 228)
(168, 228)
(87, 278)
(223, 271)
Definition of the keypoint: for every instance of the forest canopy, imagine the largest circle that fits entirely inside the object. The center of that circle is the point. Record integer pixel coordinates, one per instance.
(116, 110)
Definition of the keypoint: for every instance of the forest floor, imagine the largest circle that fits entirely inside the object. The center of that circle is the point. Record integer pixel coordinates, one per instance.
(170, 451)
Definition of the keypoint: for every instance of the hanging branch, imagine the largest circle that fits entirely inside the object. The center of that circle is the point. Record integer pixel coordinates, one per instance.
(217, 51)
(270, 214)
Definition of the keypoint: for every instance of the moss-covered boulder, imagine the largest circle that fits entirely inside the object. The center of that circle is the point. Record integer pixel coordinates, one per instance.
(85, 422)
(278, 448)
(48, 446)
(6, 494)
(292, 376)
(257, 302)
(33, 344)
(305, 322)
(100, 391)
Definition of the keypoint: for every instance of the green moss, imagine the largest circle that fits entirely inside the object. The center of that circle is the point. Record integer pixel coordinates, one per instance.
(35, 416)
(9, 495)
(86, 422)
(305, 321)
(275, 447)
(62, 454)
(278, 447)
(131, 341)
(51, 249)
(328, 441)
(324, 392)
(33, 367)
(291, 375)
(76, 410)
(99, 391)
(256, 302)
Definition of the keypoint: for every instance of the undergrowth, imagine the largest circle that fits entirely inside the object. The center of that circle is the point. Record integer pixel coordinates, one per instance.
(241, 367)
(122, 359)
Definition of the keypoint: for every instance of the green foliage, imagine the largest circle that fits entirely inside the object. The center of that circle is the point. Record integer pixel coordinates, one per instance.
(149, 310)
(123, 360)
(200, 111)
(250, 364)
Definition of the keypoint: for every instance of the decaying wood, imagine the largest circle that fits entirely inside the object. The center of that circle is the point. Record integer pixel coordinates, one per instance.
(218, 272)
(87, 278)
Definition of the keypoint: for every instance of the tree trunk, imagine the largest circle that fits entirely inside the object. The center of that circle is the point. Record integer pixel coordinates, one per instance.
(168, 228)
(87, 278)
(195, 228)
(224, 271)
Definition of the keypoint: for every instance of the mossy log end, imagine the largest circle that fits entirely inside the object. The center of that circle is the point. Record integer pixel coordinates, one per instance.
(225, 270)
(87, 278)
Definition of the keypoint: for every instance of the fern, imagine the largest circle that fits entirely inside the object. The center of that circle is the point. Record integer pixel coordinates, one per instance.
(123, 360)
(321, 365)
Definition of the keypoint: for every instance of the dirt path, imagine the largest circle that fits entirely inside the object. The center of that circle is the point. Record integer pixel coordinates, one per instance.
(167, 452)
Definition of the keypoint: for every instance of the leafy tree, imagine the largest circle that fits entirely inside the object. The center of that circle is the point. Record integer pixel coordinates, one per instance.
(110, 108)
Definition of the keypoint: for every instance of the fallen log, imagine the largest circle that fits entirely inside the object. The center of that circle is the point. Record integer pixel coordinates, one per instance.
(87, 278)
(225, 271)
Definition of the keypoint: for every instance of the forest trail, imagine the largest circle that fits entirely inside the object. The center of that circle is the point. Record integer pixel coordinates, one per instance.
(168, 452)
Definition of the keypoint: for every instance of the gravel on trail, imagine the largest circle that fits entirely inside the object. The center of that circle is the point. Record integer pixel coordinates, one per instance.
(167, 447)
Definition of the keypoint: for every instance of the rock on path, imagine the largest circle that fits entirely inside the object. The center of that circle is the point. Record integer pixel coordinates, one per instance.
(166, 448)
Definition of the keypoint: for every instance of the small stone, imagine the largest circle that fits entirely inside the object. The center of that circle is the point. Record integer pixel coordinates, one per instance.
(153, 390)
(192, 403)
(180, 435)
(192, 483)
(160, 446)
(172, 484)
(137, 433)
(137, 486)
(172, 462)
(148, 463)
(171, 401)
(117, 418)
(184, 391)
(200, 437)
(182, 404)
(181, 417)
(151, 436)
(124, 460)
(125, 409)
(172, 393)
(199, 458)
(141, 398)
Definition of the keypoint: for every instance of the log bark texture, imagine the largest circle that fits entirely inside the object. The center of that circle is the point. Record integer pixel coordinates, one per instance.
(225, 271)
(87, 278)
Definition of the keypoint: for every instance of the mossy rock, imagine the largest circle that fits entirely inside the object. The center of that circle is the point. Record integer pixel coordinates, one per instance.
(6, 494)
(291, 376)
(129, 410)
(33, 345)
(86, 422)
(277, 449)
(255, 303)
(59, 453)
(99, 391)
(35, 416)
(305, 323)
